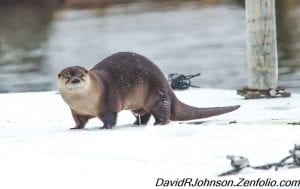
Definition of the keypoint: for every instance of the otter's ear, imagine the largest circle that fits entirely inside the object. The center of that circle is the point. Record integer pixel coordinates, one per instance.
(86, 71)
(59, 75)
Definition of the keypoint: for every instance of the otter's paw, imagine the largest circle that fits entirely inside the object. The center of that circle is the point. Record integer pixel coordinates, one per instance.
(107, 127)
(162, 122)
(75, 128)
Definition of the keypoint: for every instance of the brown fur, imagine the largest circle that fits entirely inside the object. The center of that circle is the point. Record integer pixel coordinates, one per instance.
(125, 81)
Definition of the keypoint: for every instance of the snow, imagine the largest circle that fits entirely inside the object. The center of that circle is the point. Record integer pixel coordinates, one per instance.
(37, 149)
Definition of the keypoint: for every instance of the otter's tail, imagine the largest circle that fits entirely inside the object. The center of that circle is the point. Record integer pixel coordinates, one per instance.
(184, 112)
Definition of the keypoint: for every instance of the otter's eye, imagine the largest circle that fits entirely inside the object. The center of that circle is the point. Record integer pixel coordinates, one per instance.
(79, 74)
(67, 75)
(59, 75)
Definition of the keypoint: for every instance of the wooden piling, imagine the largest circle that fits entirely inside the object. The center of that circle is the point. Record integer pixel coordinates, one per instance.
(261, 44)
(262, 61)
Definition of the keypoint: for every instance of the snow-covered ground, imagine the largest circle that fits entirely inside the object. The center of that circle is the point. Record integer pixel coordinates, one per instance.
(38, 151)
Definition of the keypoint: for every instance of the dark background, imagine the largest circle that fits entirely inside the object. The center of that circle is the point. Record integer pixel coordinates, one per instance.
(38, 38)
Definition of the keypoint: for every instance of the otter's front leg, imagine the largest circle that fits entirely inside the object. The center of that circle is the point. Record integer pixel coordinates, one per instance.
(109, 120)
(80, 120)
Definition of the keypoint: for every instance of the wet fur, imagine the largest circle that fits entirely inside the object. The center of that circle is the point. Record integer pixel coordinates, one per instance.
(127, 81)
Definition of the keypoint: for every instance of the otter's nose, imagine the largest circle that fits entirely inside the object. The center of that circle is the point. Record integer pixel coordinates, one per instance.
(75, 81)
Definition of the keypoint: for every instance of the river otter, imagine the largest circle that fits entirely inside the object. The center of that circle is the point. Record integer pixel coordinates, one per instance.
(125, 81)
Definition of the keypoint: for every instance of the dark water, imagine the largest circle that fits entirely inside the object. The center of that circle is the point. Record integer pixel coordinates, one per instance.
(37, 41)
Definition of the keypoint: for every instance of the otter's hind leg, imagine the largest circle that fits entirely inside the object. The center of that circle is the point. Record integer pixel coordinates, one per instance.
(142, 119)
(161, 112)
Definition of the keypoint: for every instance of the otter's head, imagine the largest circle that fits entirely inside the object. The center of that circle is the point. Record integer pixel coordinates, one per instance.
(73, 79)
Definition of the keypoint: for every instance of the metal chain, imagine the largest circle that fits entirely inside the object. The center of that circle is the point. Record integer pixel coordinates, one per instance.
(180, 81)
(239, 163)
